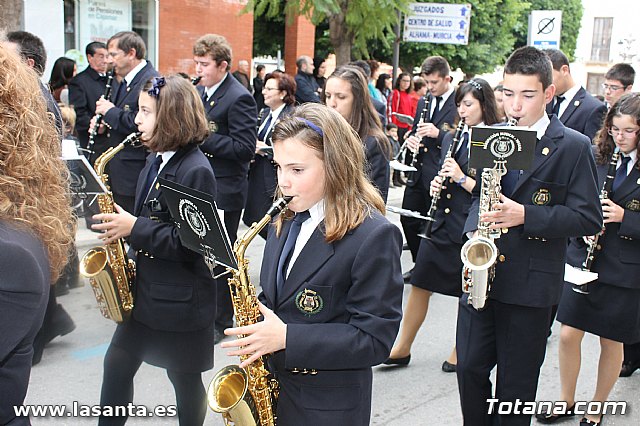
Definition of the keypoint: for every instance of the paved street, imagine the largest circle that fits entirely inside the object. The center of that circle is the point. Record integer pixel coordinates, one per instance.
(420, 394)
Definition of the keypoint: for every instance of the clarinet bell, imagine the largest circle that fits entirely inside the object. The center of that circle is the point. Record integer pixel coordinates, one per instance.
(425, 232)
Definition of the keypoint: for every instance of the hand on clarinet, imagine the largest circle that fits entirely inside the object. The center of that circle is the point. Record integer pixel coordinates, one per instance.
(413, 143)
(451, 169)
(261, 338)
(611, 212)
(435, 185)
(427, 129)
(92, 124)
(103, 105)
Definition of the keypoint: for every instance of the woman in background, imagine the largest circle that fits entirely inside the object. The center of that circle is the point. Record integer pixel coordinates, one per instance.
(64, 69)
(347, 92)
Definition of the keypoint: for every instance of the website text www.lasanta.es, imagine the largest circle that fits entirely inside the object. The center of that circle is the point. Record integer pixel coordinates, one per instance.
(83, 410)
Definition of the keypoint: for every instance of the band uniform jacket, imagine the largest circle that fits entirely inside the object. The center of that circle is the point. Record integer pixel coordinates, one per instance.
(429, 154)
(454, 202)
(561, 200)
(125, 167)
(174, 290)
(231, 112)
(618, 263)
(25, 282)
(262, 175)
(584, 113)
(377, 166)
(342, 303)
(84, 90)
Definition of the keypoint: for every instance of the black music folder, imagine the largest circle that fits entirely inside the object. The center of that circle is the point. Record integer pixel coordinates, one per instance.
(198, 223)
(514, 147)
(83, 179)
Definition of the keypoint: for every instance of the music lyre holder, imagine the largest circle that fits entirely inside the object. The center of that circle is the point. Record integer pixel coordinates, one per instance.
(84, 181)
(199, 225)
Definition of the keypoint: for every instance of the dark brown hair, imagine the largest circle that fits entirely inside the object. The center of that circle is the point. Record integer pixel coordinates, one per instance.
(628, 104)
(286, 84)
(215, 46)
(481, 90)
(180, 116)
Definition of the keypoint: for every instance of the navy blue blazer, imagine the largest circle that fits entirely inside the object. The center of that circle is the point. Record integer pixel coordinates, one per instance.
(583, 114)
(231, 112)
(618, 262)
(429, 155)
(306, 88)
(454, 203)
(262, 176)
(560, 198)
(173, 290)
(125, 167)
(377, 166)
(24, 292)
(84, 91)
(342, 303)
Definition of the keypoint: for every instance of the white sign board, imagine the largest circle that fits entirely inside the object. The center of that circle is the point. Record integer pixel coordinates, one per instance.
(544, 29)
(440, 23)
(100, 19)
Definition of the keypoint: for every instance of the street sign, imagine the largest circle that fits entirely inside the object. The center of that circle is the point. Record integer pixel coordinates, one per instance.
(440, 23)
(544, 29)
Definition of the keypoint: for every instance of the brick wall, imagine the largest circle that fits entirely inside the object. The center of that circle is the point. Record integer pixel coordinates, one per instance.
(299, 40)
(182, 22)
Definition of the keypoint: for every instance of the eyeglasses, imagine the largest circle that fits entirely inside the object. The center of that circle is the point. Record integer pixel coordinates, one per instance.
(626, 133)
(612, 87)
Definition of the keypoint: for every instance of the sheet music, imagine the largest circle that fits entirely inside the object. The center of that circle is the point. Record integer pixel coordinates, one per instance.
(578, 276)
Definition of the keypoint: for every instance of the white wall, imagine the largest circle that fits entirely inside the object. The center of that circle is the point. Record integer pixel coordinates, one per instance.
(45, 18)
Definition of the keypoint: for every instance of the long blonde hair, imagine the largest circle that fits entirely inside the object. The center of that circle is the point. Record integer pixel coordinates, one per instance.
(349, 197)
(33, 180)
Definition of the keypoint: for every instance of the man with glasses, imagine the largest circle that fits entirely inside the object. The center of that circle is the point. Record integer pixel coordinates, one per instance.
(573, 105)
(126, 54)
(618, 81)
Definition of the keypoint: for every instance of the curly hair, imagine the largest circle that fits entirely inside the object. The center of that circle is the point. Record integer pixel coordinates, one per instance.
(33, 180)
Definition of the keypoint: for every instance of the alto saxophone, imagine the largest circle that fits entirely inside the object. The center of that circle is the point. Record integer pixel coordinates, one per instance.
(479, 253)
(110, 272)
(246, 396)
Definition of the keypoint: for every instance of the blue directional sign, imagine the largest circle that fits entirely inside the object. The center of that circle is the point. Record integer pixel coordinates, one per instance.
(441, 23)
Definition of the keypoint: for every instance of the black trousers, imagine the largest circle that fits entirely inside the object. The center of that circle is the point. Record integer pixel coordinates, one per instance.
(510, 336)
(415, 198)
(224, 313)
(120, 368)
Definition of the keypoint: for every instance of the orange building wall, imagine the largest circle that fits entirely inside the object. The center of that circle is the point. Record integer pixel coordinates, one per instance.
(299, 40)
(182, 22)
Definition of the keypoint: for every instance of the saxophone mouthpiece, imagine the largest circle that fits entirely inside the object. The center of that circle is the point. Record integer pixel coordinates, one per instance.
(196, 80)
(279, 205)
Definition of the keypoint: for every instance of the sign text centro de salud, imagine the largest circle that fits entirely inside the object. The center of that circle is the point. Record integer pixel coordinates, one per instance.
(440, 23)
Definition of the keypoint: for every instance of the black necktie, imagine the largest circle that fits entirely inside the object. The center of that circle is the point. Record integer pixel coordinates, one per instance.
(462, 148)
(621, 174)
(556, 107)
(289, 245)
(437, 108)
(122, 89)
(151, 176)
(205, 97)
(265, 128)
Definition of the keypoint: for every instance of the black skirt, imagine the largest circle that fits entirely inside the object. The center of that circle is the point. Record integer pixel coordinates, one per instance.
(438, 265)
(607, 311)
(187, 352)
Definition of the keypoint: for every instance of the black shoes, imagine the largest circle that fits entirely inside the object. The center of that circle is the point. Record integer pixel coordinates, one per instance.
(447, 367)
(407, 276)
(628, 368)
(549, 418)
(586, 422)
(404, 361)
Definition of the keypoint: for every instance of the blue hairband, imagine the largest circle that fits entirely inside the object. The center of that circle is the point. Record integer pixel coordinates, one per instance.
(315, 128)
(156, 84)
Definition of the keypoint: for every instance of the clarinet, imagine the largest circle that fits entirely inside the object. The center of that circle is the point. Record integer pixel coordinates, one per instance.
(592, 244)
(431, 214)
(196, 80)
(423, 118)
(94, 131)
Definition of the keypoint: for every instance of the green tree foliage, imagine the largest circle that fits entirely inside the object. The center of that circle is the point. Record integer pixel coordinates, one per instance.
(571, 19)
(352, 23)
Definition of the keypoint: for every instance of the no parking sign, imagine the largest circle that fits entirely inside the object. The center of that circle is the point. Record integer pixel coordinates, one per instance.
(544, 29)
